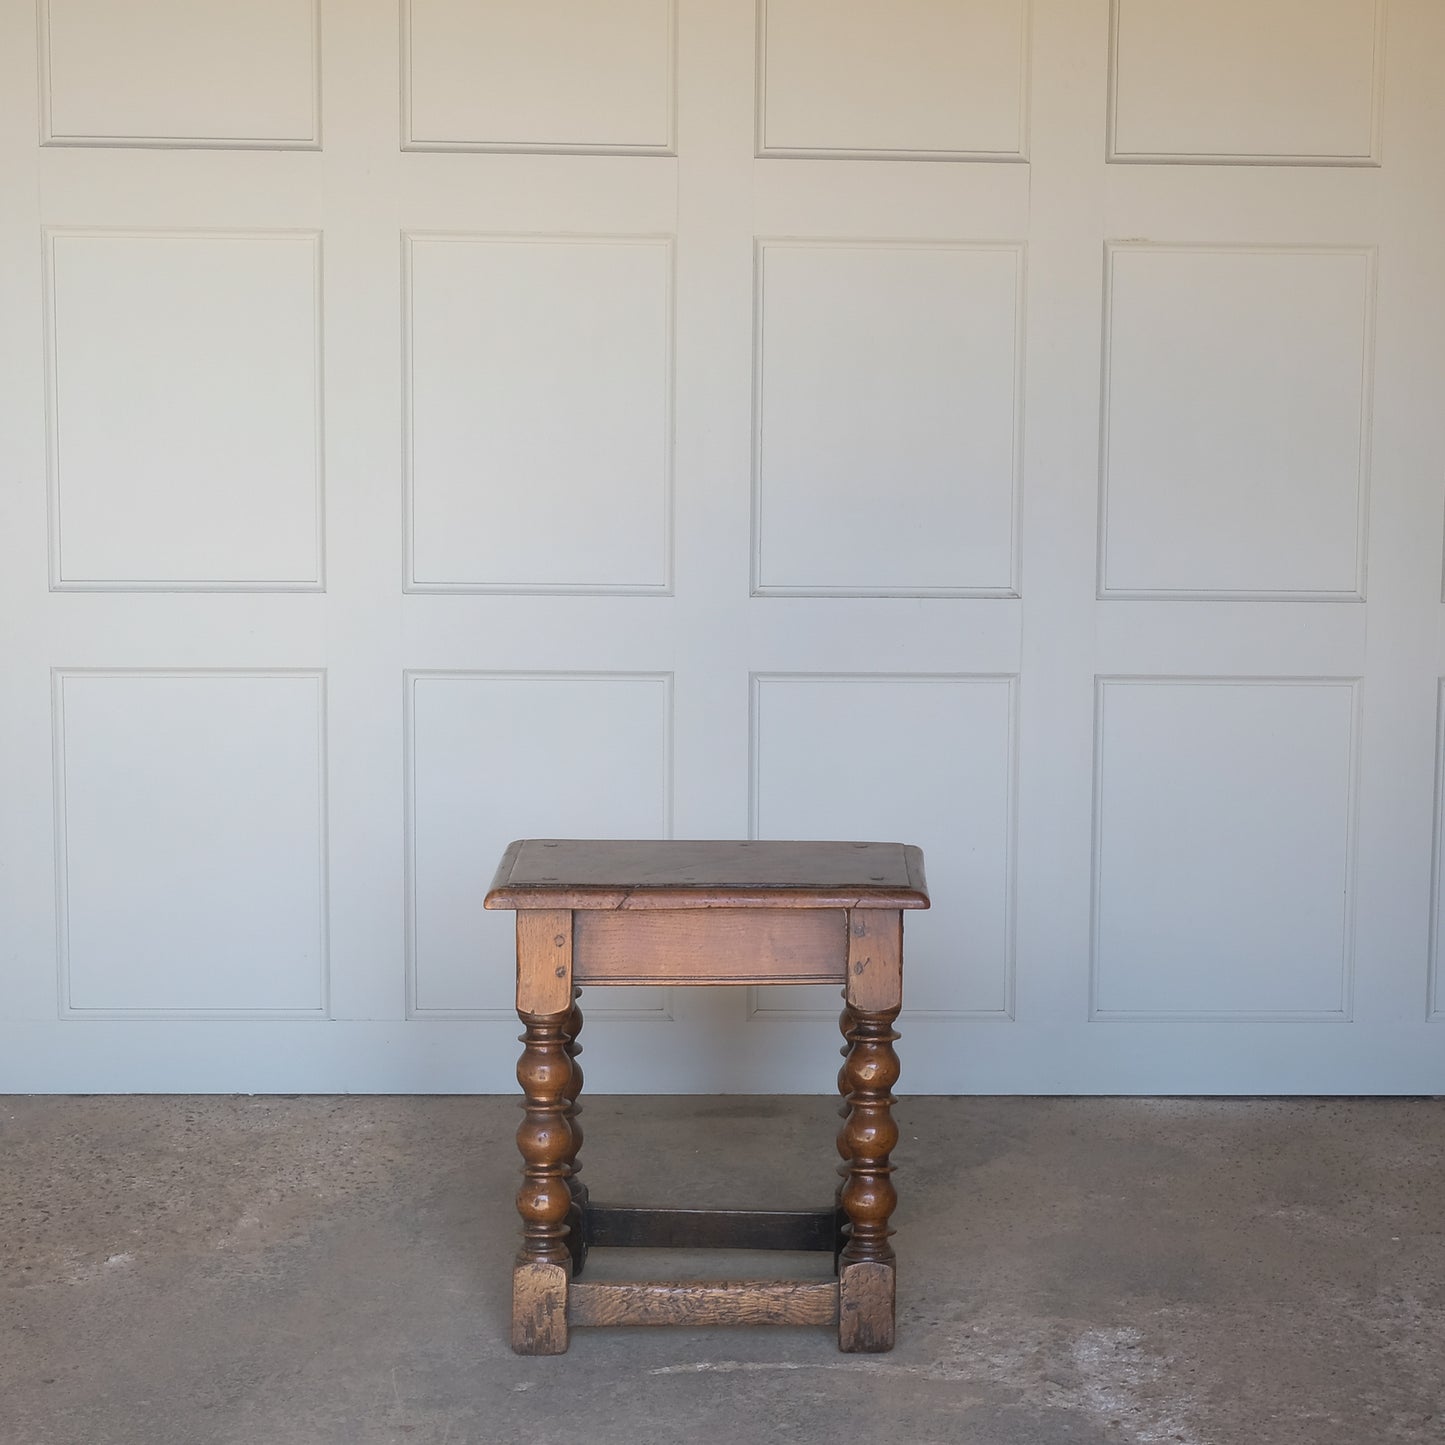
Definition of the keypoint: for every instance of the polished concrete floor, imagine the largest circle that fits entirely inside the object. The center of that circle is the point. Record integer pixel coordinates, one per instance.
(280, 1271)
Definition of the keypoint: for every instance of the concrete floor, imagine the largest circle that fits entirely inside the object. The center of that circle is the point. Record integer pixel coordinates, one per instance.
(273, 1271)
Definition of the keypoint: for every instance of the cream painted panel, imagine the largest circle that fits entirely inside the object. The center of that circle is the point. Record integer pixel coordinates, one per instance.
(1247, 81)
(1237, 395)
(918, 759)
(928, 78)
(887, 418)
(539, 414)
(1224, 848)
(569, 75)
(180, 72)
(493, 757)
(180, 892)
(1436, 1001)
(185, 410)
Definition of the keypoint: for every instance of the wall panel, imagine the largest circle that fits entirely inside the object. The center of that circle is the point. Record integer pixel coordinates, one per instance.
(539, 411)
(1224, 827)
(179, 893)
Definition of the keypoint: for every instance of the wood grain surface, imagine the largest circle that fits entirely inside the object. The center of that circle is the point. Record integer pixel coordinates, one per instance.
(720, 1302)
(539, 1308)
(875, 959)
(865, 1308)
(709, 945)
(610, 874)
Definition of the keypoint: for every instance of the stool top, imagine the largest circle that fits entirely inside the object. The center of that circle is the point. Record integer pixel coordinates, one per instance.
(678, 873)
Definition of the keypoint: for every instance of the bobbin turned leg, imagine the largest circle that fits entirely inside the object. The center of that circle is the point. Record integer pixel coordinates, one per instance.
(544, 1004)
(577, 1214)
(873, 995)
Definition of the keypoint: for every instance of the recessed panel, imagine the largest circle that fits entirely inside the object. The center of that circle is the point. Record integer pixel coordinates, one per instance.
(570, 75)
(887, 418)
(539, 414)
(186, 429)
(192, 851)
(1224, 848)
(180, 72)
(927, 78)
(1437, 922)
(1247, 81)
(492, 758)
(925, 760)
(1236, 443)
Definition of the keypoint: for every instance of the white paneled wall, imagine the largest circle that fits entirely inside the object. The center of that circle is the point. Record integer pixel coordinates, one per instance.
(195, 360)
(204, 73)
(1253, 481)
(942, 81)
(1235, 799)
(1008, 426)
(180, 892)
(533, 363)
(1288, 82)
(887, 420)
(509, 75)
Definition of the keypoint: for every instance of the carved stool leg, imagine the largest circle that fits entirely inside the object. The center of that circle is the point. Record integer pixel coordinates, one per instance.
(544, 1004)
(840, 1215)
(866, 1271)
(577, 1215)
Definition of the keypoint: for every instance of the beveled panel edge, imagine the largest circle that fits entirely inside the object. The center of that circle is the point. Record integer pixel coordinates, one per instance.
(1369, 252)
(1373, 158)
(1013, 590)
(1435, 962)
(58, 582)
(665, 588)
(65, 1010)
(408, 141)
(1345, 1012)
(50, 140)
(763, 151)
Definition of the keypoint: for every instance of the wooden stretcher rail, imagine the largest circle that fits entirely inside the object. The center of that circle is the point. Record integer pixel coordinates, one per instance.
(712, 1302)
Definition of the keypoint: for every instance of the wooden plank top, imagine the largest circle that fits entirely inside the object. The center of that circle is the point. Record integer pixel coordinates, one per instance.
(677, 873)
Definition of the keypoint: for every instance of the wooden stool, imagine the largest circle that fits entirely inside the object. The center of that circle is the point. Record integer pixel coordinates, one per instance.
(705, 913)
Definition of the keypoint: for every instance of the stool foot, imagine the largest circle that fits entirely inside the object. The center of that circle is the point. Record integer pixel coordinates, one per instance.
(539, 1308)
(866, 1277)
(865, 1308)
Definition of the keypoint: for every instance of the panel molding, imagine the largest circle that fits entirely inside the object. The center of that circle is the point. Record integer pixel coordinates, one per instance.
(65, 1009)
(1345, 1012)
(1019, 249)
(1103, 592)
(540, 589)
(1435, 979)
(755, 1013)
(410, 677)
(575, 148)
(50, 137)
(763, 151)
(58, 582)
(1373, 157)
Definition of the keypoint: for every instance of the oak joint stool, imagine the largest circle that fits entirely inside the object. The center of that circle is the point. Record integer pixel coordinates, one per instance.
(668, 913)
